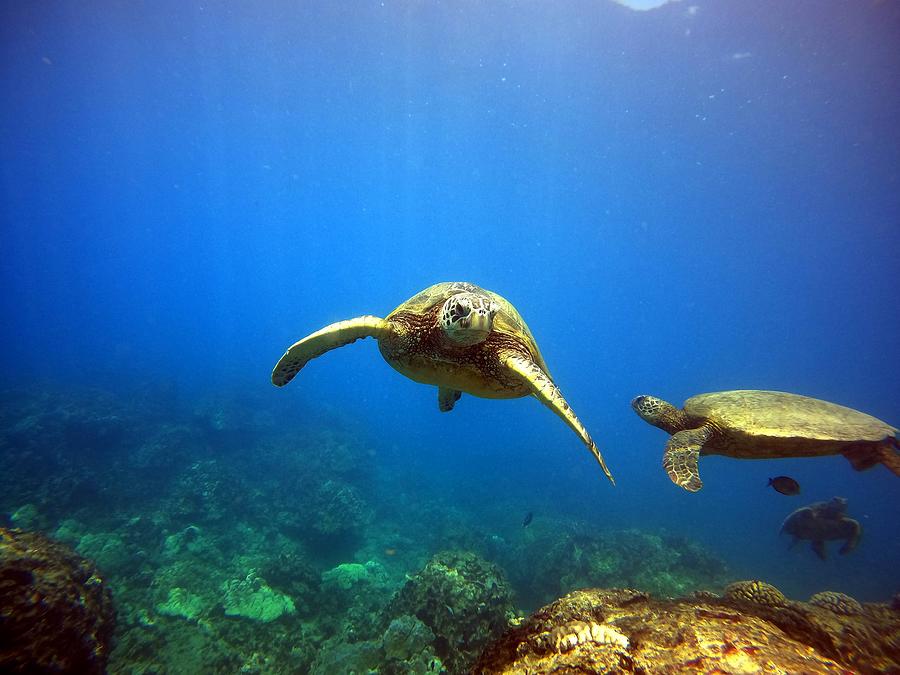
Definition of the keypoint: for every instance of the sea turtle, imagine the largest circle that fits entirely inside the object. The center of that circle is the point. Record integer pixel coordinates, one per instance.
(821, 522)
(751, 424)
(457, 336)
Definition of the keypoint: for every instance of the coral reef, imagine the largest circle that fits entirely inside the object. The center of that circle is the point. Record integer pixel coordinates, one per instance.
(252, 598)
(339, 508)
(755, 591)
(623, 630)
(839, 603)
(462, 599)
(182, 603)
(564, 558)
(234, 544)
(56, 611)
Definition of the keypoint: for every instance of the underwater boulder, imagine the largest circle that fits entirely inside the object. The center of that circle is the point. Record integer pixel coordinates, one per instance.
(628, 631)
(56, 611)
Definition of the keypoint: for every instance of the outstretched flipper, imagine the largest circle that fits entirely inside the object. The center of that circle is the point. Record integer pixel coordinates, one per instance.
(447, 398)
(544, 390)
(681, 457)
(331, 337)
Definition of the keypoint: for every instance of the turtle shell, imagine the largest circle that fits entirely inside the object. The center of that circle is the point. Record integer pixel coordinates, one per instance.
(506, 321)
(777, 414)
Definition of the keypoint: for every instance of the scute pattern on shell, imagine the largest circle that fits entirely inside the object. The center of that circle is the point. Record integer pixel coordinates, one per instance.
(778, 414)
(508, 318)
(755, 591)
(839, 603)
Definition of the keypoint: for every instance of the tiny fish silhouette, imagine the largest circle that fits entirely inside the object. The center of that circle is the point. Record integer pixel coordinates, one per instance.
(785, 485)
(528, 519)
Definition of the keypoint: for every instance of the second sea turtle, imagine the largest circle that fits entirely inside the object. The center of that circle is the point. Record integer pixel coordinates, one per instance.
(751, 424)
(821, 522)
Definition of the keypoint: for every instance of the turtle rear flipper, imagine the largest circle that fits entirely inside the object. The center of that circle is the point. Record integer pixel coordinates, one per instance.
(890, 454)
(324, 340)
(545, 391)
(819, 547)
(853, 539)
(862, 457)
(447, 398)
(681, 457)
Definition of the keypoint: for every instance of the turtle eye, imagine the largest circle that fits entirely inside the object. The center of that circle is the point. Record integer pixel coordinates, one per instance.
(462, 309)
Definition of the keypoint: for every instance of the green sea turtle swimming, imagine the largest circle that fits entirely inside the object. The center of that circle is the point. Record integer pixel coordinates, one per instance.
(821, 522)
(751, 424)
(457, 336)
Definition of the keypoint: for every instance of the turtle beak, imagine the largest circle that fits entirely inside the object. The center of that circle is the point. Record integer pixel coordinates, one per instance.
(637, 404)
(645, 408)
(480, 322)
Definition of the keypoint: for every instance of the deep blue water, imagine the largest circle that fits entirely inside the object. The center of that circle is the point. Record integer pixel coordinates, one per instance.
(701, 197)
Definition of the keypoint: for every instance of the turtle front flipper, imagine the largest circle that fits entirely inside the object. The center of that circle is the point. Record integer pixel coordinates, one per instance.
(447, 398)
(331, 337)
(681, 457)
(544, 390)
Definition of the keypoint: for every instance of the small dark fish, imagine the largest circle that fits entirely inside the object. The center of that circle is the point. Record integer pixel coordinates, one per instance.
(528, 519)
(785, 485)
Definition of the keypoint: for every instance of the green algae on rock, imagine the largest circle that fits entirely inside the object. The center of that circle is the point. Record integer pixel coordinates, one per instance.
(182, 603)
(350, 575)
(252, 598)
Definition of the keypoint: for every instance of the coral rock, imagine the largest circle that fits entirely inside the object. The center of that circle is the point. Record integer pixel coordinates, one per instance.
(463, 600)
(252, 598)
(624, 631)
(836, 602)
(56, 612)
(755, 591)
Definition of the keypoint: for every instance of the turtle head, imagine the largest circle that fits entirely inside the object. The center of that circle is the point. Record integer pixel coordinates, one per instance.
(467, 318)
(659, 413)
(834, 508)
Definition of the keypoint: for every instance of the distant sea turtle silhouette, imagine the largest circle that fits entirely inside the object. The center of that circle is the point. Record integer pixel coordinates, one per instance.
(751, 424)
(821, 522)
(457, 336)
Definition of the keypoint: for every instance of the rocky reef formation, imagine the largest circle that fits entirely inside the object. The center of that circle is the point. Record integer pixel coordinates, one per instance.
(754, 627)
(56, 611)
(564, 558)
(462, 599)
(437, 622)
(234, 541)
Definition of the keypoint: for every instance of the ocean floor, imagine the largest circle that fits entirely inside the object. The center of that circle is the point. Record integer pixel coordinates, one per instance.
(233, 544)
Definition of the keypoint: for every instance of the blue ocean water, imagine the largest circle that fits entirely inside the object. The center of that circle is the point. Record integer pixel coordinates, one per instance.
(700, 197)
